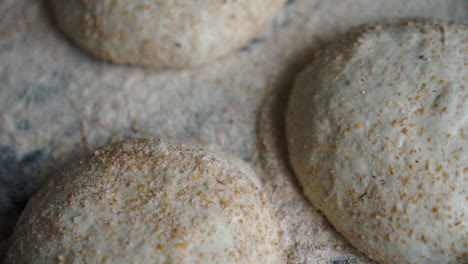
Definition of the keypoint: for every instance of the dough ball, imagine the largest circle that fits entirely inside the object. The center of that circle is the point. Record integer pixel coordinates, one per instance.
(377, 131)
(163, 33)
(142, 201)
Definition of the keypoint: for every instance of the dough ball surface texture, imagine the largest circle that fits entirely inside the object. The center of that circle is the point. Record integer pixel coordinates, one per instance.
(377, 131)
(163, 33)
(143, 201)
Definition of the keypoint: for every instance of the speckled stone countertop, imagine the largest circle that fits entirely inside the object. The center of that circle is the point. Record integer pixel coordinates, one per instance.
(57, 103)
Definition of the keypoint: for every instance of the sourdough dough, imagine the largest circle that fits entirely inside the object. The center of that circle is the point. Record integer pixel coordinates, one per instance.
(142, 201)
(163, 32)
(377, 132)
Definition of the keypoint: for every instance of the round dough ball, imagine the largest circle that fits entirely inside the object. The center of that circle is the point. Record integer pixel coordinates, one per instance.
(142, 201)
(377, 132)
(165, 33)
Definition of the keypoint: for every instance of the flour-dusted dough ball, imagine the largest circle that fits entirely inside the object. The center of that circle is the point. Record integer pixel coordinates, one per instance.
(164, 33)
(377, 131)
(143, 201)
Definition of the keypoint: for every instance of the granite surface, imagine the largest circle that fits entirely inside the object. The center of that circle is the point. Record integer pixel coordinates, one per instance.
(57, 103)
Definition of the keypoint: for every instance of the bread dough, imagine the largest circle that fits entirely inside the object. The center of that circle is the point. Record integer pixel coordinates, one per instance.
(143, 201)
(164, 33)
(377, 131)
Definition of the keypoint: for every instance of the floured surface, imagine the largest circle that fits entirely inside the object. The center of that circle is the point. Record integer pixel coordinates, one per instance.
(57, 103)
